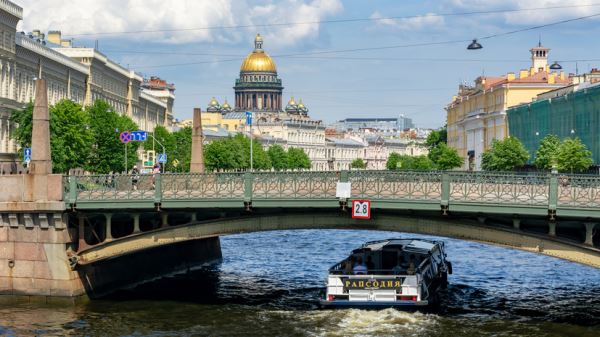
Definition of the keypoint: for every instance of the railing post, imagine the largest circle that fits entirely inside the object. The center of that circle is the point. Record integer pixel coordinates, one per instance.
(72, 190)
(344, 176)
(445, 197)
(552, 195)
(158, 188)
(248, 182)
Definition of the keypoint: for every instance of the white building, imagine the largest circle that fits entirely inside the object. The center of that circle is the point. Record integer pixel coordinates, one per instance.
(82, 75)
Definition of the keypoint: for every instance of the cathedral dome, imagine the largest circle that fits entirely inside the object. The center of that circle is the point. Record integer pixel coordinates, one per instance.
(258, 60)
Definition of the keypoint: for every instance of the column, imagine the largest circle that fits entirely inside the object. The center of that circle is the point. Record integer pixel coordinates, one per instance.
(589, 233)
(552, 228)
(136, 223)
(108, 217)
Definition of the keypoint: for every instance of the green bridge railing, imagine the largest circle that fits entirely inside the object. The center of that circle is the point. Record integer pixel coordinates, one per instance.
(458, 190)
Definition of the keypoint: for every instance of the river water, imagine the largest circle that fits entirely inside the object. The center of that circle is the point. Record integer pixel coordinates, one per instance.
(269, 284)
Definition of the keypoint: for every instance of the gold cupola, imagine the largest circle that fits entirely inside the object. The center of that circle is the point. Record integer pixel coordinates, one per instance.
(258, 60)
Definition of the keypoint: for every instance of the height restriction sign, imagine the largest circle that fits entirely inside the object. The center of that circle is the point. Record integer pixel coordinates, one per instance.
(361, 209)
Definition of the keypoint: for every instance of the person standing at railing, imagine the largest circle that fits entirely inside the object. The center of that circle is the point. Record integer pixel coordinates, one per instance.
(155, 171)
(135, 177)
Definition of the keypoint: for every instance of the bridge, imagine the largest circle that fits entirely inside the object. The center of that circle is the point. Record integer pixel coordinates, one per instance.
(543, 213)
(92, 234)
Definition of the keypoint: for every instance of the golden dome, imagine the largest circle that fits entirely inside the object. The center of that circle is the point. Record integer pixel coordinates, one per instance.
(226, 105)
(258, 60)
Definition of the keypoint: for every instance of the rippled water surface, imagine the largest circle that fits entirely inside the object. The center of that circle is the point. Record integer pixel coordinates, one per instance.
(269, 284)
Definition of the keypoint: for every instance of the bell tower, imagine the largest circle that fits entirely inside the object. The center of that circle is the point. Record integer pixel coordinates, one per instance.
(539, 57)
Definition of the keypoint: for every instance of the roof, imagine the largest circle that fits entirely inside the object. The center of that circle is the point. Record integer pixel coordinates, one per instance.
(418, 245)
(234, 115)
(344, 142)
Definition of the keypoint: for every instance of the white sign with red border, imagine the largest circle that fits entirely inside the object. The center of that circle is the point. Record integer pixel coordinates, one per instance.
(361, 209)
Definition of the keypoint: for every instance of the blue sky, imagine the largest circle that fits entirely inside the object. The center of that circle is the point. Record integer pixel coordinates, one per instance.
(414, 81)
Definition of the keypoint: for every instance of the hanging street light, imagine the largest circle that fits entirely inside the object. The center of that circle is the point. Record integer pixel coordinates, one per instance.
(474, 45)
(555, 66)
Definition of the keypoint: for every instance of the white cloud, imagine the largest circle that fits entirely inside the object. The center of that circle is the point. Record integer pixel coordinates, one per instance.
(428, 21)
(95, 16)
(528, 17)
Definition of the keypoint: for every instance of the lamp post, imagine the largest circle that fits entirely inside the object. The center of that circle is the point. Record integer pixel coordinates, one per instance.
(249, 123)
(163, 150)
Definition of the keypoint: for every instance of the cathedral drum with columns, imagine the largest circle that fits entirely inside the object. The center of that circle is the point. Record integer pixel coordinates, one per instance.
(258, 89)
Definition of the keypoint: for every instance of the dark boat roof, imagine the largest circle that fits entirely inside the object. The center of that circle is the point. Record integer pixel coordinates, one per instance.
(408, 244)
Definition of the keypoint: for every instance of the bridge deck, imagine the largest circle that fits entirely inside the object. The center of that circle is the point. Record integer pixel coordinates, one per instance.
(504, 193)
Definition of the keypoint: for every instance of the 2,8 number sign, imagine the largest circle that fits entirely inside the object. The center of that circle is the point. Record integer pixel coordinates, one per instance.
(361, 209)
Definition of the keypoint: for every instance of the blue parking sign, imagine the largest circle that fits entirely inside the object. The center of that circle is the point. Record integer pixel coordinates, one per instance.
(248, 118)
(27, 154)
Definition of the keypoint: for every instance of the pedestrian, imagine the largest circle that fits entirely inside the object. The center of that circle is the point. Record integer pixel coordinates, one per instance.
(155, 171)
(135, 177)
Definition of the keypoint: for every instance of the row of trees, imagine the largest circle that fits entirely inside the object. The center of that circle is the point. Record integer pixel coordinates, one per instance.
(440, 156)
(81, 137)
(233, 153)
(568, 155)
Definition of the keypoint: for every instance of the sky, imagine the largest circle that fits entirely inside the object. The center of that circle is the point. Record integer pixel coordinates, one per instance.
(416, 74)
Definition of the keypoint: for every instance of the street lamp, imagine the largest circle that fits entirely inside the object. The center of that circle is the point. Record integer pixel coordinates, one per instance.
(474, 45)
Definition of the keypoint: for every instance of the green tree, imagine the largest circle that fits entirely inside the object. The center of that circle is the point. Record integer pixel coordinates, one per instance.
(278, 156)
(436, 137)
(358, 163)
(504, 155)
(573, 156)
(182, 151)
(224, 154)
(108, 152)
(392, 162)
(545, 156)
(298, 159)
(70, 136)
(444, 157)
(233, 153)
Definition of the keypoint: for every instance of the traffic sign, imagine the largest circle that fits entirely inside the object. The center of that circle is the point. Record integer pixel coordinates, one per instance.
(27, 154)
(248, 118)
(125, 137)
(162, 158)
(139, 136)
(133, 136)
(361, 209)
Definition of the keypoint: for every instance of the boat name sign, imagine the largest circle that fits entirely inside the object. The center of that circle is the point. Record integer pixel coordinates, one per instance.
(371, 283)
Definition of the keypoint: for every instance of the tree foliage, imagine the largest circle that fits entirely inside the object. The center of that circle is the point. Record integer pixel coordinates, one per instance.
(444, 157)
(233, 153)
(573, 156)
(70, 136)
(545, 156)
(405, 162)
(504, 155)
(437, 137)
(278, 156)
(358, 163)
(298, 159)
(108, 152)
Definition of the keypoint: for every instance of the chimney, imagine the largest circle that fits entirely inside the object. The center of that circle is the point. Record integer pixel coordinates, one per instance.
(510, 76)
(562, 75)
(551, 78)
(54, 37)
(35, 33)
(531, 71)
(523, 73)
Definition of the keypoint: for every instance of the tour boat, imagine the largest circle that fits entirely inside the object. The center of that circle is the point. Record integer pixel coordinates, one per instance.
(389, 273)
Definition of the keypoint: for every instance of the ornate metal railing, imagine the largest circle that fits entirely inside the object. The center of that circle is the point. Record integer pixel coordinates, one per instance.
(396, 185)
(499, 188)
(579, 191)
(111, 187)
(294, 185)
(202, 186)
(445, 188)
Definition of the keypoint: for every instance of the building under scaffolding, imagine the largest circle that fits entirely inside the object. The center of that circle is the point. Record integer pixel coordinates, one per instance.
(572, 111)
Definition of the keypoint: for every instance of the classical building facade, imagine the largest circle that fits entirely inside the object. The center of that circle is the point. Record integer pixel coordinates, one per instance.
(82, 75)
(477, 114)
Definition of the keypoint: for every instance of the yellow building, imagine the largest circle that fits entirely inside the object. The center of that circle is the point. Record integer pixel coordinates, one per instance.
(477, 114)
